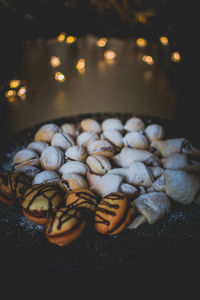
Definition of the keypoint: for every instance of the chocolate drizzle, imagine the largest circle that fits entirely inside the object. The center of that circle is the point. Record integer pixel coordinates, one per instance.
(15, 184)
(105, 210)
(6, 181)
(84, 198)
(66, 215)
(40, 191)
(123, 219)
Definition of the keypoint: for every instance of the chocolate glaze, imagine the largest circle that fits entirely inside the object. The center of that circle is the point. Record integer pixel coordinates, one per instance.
(123, 219)
(41, 190)
(88, 198)
(6, 180)
(12, 181)
(65, 217)
(112, 196)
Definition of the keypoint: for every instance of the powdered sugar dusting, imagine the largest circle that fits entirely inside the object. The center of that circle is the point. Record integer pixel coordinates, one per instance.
(29, 226)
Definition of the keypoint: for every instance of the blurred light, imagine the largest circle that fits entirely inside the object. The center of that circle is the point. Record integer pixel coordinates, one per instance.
(101, 42)
(176, 57)
(11, 99)
(141, 18)
(55, 61)
(80, 66)
(61, 37)
(148, 59)
(10, 93)
(70, 39)
(15, 83)
(59, 77)
(141, 42)
(164, 40)
(101, 65)
(148, 75)
(22, 92)
(109, 55)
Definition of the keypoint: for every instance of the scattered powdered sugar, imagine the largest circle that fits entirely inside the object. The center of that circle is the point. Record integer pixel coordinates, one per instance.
(29, 226)
(176, 216)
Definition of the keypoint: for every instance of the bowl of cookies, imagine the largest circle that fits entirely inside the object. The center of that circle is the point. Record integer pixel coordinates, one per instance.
(96, 191)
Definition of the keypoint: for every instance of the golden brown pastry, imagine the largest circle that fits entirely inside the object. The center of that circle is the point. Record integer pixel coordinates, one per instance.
(13, 187)
(82, 198)
(40, 201)
(64, 226)
(113, 214)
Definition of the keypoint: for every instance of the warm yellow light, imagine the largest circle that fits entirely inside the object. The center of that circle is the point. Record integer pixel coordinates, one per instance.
(80, 66)
(176, 57)
(141, 42)
(61, 37)
(59, 77)
(164, 40)
(70, 39)
(55, 61)
(15, 83)
(148, 59)
(101, 42)
(11, 99)
(141, 18)
(10, 93)
(109, 55)
(21, 92)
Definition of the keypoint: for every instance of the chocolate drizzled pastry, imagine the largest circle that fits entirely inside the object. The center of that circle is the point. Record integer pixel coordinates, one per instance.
(13, 186)
(40, 201)
(113, 214)
(64, 226)
(82, 198)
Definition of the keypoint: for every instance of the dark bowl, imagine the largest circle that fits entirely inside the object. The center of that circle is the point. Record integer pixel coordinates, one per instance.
(166, 244)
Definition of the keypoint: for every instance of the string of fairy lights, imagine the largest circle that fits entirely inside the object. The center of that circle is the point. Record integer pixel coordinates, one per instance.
(17, 89)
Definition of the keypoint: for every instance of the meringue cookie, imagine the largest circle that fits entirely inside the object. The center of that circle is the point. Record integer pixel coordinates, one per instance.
(175, 161)
(101, 147)
(104, 185)
(137, 174)
(134, 124)
(112, 124)
(74, 167)
(175, 145)
(156, 171)
(98, 164)
(46, 132)
(86, 137)
(181, 186)
(26, 157)
(136, 140)
(46, 177)
(37, 146)
(153, 206)
(154, 132)
(52, 158)
(73, 181)
(62, 141)
(129, 190)
(90, 125)
(129, 155)
(76, 153)
(28, 170)
(114, 137)
(69, 128)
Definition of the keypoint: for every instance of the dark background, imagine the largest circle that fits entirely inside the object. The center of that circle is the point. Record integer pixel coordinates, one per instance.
(21, 20)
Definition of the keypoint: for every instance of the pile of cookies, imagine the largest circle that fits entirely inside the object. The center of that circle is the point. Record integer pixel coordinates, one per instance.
(117, 175)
